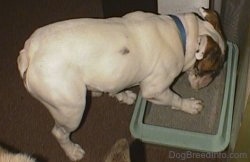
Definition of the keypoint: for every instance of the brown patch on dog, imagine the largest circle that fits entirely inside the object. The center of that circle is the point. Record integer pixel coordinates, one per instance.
(213, 60)
(213, 18)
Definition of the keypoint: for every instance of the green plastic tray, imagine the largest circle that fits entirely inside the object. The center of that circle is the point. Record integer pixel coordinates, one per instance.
(185, 139)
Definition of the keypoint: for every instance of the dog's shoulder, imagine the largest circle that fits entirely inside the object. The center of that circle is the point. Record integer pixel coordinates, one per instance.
(139, 16)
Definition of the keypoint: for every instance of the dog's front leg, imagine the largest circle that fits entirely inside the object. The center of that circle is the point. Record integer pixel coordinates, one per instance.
(127, 97)
(168, 97)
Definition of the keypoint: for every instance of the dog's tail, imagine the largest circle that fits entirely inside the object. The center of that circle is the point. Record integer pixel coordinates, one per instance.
(24, 57)
(23, 62)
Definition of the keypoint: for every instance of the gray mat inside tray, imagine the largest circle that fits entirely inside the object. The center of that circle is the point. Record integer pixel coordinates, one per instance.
(206, 121)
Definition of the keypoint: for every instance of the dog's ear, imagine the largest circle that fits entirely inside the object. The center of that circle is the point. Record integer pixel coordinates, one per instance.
(212, 60)
(212, 17)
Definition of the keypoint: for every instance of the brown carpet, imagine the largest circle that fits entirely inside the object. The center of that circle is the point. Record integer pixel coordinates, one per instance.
(25, 124)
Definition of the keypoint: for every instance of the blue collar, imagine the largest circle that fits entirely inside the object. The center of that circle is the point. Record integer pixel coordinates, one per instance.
(182, 31)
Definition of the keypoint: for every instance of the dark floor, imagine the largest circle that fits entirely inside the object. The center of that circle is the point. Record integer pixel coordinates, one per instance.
(25, 124)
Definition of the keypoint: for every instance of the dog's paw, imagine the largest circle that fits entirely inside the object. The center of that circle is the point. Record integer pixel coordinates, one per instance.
(192, 106)
(127, 97)
(74, 152)
(96, 94)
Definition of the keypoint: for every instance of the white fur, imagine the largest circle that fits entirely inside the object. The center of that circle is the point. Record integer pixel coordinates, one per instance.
(127, 97)
(6, 156)
(202, 12)
(62, 61)
(201, 47)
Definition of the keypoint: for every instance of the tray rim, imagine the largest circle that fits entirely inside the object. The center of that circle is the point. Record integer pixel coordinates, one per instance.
(187, 139)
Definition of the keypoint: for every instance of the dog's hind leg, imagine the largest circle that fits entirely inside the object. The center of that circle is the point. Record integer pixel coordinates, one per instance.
(64, 96)
(67, 119)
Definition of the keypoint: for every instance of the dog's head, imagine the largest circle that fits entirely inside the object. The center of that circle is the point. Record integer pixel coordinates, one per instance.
(210, 53)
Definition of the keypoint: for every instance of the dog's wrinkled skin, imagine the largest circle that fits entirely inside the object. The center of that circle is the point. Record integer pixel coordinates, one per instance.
(61, 61)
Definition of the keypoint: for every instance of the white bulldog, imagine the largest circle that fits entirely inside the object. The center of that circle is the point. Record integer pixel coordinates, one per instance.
(61, 61)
